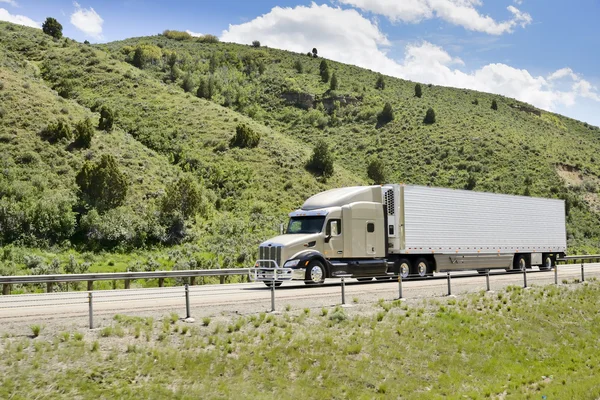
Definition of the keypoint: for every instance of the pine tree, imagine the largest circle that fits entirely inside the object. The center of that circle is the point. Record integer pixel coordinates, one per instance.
(418, 90)
(52, 27)
(429, 116)
(494, 105)
(380, 84)
(321, 161)
(333, 84)
(386, 115)
(102, 185)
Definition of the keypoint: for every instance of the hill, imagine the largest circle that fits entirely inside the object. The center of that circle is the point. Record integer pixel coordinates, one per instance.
(178, 101)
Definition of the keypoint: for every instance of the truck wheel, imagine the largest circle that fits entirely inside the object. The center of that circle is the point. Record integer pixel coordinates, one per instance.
(315, 273)
(422, 267)
(548, 263)
(403, 268)
(270, 283)
(521, 262)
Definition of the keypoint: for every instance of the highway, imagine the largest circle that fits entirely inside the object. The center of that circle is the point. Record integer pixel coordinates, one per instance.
(247, 298)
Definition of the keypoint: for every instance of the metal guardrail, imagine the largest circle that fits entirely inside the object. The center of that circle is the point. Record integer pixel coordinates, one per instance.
(6, 281)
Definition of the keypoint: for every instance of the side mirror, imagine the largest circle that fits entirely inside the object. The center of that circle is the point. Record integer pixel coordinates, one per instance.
(327, 238)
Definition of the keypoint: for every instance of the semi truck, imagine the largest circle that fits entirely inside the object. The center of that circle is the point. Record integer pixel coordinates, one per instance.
(407, 230)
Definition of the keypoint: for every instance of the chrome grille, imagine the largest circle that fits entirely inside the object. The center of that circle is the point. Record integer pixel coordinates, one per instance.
(269, 253)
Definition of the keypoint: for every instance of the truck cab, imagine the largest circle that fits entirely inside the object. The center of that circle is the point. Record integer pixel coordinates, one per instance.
(340, 231)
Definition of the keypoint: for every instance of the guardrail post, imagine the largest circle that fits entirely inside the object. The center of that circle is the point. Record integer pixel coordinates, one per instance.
(161, 282)
(187, 301)
(449, 285)
(90, 301)
(556, 274)
(90, 286)
(6, 289)
(343, 291)
(49, 287)
(273, 292)
(400, 297)
(487, 280)
(127, 283)
(582, 275)
(525, 278)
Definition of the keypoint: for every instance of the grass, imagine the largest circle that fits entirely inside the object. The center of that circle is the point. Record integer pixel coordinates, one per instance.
(512, 344)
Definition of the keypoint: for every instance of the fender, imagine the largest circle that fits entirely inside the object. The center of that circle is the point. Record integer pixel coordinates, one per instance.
(306, 256)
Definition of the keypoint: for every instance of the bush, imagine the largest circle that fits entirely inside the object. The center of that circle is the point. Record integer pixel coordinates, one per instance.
(102, 185)
(64, 89)
(255, 43)
(106, 119)
(418, 90)
(494, 105)
(321, 161)
(57, 131)
(333, 84)
(206, 88)
(298, 67)
(177, 35)
(184, 197)
(429, 116)
(52, 27)
(188, 83)
(146, 54)
(380, 84)
(376, 171)
(84, 132)
(244, 137)
(207, 39)
(386, 115)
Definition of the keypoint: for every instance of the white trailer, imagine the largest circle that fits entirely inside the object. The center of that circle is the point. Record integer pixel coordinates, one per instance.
(370, 231)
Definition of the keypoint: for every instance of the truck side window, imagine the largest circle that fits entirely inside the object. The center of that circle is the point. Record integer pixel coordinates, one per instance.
(339, 227)
(370, 227)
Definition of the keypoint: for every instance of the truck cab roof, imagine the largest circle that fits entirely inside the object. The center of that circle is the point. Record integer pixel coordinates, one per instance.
(342, 196)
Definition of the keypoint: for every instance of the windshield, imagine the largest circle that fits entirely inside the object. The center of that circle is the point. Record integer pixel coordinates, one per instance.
(305, 225)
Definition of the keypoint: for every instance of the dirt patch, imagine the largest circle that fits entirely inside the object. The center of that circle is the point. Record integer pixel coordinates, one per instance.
(585, 183)
(570, 174)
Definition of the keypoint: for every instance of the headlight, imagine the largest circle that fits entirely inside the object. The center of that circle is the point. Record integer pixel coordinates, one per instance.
(291, 263)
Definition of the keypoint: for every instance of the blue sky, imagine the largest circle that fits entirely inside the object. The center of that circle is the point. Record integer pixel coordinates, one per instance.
(541, 52)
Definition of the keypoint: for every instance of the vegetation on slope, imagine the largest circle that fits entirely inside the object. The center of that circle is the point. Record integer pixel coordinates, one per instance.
(513, 344)
(235, 125)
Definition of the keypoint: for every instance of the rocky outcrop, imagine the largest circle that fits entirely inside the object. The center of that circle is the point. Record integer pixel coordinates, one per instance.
(307, 101)
(527, 109)
(301, 100)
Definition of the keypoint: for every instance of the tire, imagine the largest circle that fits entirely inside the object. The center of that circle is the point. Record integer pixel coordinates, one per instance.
(548, 263)
(521, 262)
(421, 267)
(403, 268)
(315, 273)
(270, 283)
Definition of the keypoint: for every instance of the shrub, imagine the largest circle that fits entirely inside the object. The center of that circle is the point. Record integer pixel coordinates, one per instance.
(255, 43)
(418, 90)
(380, 84)
(298, 66)
(177, 35)
(36, 330)
(333, 84)
(86, 42)
(64, 89)
(52, 27)
(494, 105)
(84, 132)
(386, 115)
(146, 54)
(184, 197)
(207, 39)
(321, 161)
(188, 83)
(376, 171)
(206, 88)
(106, 119)
(429, 116)
(102, 185)
(57, 131)
(244, 137)
(475, 102)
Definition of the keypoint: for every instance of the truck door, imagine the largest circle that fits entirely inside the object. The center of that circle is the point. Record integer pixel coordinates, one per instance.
(371, 239)
(333, 231)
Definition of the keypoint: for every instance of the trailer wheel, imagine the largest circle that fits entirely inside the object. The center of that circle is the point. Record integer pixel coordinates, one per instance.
(270, 283)
(521, 262)
(548, 263)
(403, 268)
(422, 267)
(315, 273)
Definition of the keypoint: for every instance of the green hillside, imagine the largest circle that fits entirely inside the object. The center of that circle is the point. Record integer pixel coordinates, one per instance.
(178, 101)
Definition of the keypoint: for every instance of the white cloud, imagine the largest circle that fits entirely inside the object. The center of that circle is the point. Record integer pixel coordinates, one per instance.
(345, 35)
(88, 21)
(18, 19)
(194, 34)
(458, 12)
(10, 2)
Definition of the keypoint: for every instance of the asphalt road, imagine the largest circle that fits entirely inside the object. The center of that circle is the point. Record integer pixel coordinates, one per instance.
(248, 298)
